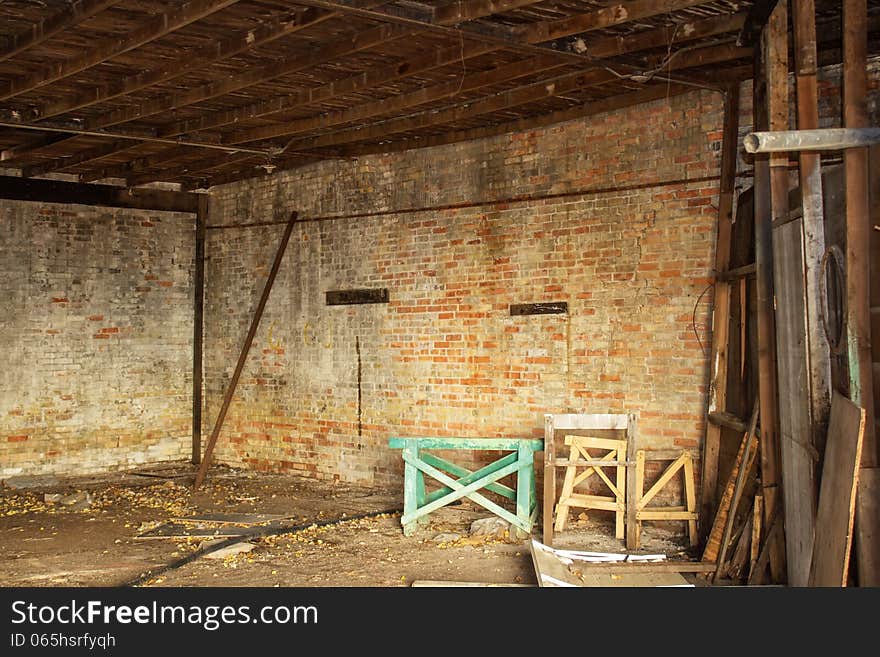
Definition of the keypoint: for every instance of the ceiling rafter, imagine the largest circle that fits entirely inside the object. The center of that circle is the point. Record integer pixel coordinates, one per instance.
(511, 98)
(189, 61)
(598, 49)
(420, 17)
(650, 93)
(349, 45)
(156, 28)
(468, 10)
(472, 82)
(603, 48)
(66, 162)
(72, 15)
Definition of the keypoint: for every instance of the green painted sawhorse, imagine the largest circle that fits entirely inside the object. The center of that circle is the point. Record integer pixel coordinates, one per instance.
(417, 504)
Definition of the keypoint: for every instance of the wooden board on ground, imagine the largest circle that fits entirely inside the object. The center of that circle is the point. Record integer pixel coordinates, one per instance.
(837, 497)
(180, 530)
(554, 570)
(441, 584)
(868, 517)
(234, 518)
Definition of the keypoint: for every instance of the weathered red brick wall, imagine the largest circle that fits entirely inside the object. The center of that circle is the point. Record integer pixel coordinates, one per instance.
(445, 357)
(96, 334)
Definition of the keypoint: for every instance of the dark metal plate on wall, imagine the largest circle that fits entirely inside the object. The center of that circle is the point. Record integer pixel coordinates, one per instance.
(351, 297)
(546, 308)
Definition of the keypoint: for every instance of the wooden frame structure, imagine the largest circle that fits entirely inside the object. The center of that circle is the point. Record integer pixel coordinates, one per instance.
(604, 425)
(684, 462)
(417, 503)
(580, 456)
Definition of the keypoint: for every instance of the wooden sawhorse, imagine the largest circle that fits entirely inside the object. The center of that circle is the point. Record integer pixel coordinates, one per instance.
(417, 504)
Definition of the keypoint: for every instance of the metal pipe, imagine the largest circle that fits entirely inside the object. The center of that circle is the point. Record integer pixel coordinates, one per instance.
(828, 139)
(245, 349)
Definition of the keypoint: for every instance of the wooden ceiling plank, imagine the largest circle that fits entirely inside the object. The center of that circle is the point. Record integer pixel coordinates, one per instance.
(343, 47)
(81, 157)
(704, 56)
(189, 61)
(155, 28)
(647, 94)
(401, 102)
(14, 155)
(512, 98)
(140, 163)
(665, 36)
(602, 48)
(615, 14)
(349, 45)
(72, 15)
(190, 168)
(606, 47)
(468, 10)
(354, 84)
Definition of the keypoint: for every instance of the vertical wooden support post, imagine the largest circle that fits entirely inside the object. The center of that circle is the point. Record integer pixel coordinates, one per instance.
(858, 302)
(198, 326)
(525, 483)
(792, 354)
(766, 329)
(721, 312)
(690, 498)
(819, 355)
(549, 479)
(245, 349)
(410, 484)
(633, 493)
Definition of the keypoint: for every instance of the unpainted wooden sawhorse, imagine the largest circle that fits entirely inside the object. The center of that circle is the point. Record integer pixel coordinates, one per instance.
(417, 504)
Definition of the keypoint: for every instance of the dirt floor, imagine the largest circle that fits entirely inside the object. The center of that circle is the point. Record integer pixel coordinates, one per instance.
(92, 542)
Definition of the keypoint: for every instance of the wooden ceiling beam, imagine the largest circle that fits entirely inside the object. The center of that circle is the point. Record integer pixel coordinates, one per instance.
(610, 104)
(155, 28)
(664, 37)
(132, 166)
(704, 56)
(602, 48)
(72, 15)
(468, 10)
(189, 61)
(76, 159)
(512, 98)
(356, 83)
(341, 48)
(349, 45)
(14, 155)
(533, 33)
(615, 14)
(650, 93)
(399, 103)
(189, 168)
(509, 99)
(60, 191)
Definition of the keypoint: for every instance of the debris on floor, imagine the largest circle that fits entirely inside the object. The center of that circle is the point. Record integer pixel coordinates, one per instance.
(230, 550)
(493, 526)
(571, 568)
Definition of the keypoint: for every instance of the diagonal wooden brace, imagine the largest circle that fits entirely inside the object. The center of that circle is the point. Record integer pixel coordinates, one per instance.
(461, 490)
